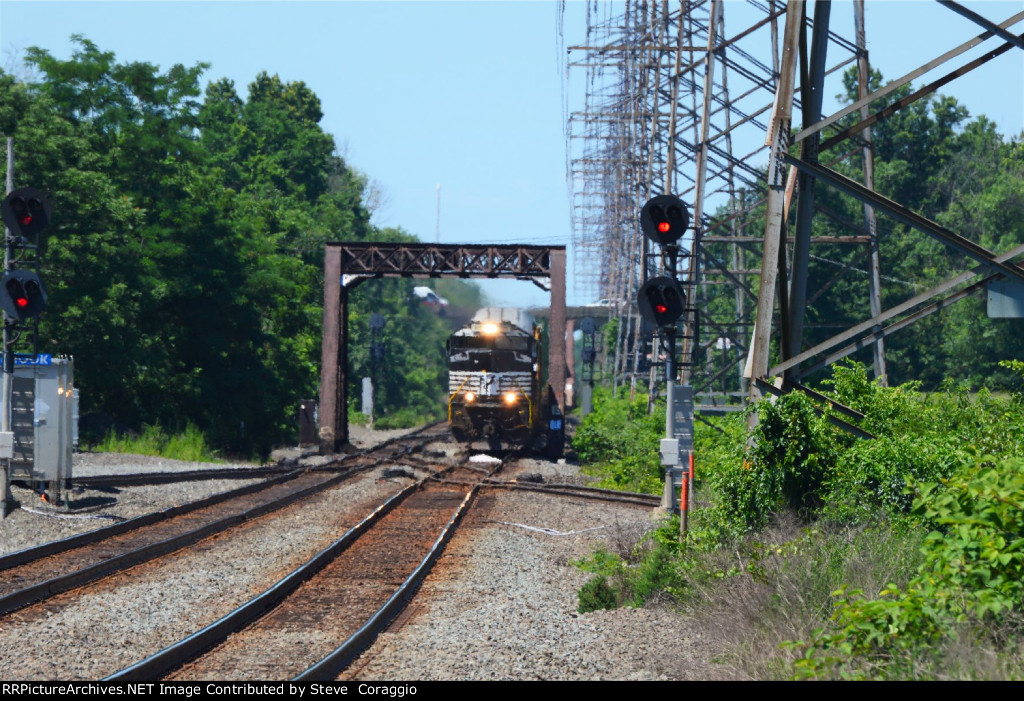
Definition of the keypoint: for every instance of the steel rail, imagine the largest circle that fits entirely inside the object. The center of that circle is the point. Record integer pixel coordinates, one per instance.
(342, 656)
(27, 555)
(150, 478)
(111, 565)
(32, 554)
(174, 655)
(568, 490)
(72, 580)
(282, 466)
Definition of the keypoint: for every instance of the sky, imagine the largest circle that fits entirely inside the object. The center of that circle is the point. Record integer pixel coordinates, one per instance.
(456, 110)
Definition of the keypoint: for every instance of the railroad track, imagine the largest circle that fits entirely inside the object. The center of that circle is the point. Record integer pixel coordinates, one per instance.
(245, 473)
(358, 584)
(570, 490)
(36, 574)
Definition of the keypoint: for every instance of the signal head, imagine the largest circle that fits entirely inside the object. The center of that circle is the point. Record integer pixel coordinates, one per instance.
(664, 219)
(661, 301)
(22, 295)
(26, 212)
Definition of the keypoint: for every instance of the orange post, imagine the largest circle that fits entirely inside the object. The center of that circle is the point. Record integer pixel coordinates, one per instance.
(683, 506)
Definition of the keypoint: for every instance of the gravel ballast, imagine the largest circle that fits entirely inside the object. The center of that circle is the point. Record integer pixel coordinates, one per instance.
(499, 604)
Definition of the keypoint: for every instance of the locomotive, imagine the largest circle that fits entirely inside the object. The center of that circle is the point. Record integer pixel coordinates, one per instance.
(496, 394)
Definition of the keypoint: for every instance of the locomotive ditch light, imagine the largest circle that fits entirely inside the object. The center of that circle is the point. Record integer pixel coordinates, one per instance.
(510, 398)
(490, 328)
(469, 397)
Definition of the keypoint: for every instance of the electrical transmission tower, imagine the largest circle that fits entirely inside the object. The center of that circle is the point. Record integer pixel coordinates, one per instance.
(701, 99)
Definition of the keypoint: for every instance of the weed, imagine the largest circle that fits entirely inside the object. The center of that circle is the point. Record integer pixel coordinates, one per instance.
(596, 595)
(189, 445)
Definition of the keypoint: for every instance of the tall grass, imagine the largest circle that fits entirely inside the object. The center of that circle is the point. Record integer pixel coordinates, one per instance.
(778, 586)
(189, 445)
(815, 555)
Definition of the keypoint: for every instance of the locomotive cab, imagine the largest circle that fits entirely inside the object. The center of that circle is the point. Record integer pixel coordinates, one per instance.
(494, 379)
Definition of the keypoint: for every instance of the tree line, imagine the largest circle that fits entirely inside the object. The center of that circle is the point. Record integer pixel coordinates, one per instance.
(184, 262)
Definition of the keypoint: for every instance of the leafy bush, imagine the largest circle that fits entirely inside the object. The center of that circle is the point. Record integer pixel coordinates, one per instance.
(897, 557)
(793, 454)
(652, 567)
(876, 473)
(619, 442)
(886, 409)
(971, 580)
(777, 585)
(596, 595)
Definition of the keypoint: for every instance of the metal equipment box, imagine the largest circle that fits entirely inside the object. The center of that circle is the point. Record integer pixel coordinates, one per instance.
(44, 417)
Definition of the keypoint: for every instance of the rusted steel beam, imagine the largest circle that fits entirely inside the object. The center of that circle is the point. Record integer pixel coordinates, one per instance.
(867, 122)
(982, 22)
(870, 324)
(376, 260)
(444, 260)
(899, 82)
(332, 384)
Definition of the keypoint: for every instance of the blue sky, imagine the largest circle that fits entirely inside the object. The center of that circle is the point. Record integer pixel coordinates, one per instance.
(468, 95)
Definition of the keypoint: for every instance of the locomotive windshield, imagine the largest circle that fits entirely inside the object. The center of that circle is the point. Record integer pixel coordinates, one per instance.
(499, 342)
(499, 353)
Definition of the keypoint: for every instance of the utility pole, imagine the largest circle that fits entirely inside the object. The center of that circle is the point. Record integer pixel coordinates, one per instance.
(8, 361)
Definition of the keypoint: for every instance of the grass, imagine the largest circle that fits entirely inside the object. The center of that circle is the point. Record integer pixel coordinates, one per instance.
(778, 586)
(189, 445)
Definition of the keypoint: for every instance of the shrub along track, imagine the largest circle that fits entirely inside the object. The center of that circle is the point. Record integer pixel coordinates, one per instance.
(35, 574)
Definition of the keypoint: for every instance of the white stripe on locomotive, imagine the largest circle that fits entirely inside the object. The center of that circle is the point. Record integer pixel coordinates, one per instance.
(483, 385)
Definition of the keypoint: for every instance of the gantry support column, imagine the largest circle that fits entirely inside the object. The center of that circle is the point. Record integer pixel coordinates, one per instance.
(556, 330)
(334, 357)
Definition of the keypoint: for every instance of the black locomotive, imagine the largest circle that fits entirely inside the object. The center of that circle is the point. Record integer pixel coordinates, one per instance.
(495, 390)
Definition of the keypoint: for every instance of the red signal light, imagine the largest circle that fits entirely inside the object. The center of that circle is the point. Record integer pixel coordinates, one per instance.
(664, 227)
(660, 308)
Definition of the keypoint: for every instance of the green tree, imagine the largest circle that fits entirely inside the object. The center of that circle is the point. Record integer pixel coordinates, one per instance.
(184, 260)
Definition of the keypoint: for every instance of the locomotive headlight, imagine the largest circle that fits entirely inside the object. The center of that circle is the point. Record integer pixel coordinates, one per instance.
(470, 397)
(489, 329)
(511, 397)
